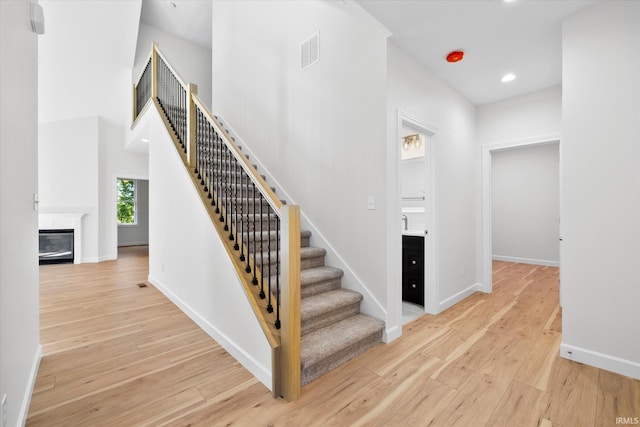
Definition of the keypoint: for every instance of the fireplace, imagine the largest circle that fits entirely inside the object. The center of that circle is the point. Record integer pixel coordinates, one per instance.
(56, 246)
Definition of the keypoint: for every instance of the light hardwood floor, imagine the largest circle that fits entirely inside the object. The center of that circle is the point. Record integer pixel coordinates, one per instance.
(116, 354)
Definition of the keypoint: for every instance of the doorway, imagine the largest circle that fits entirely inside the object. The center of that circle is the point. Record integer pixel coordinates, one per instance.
(132, 207)
(488, 153)
(416, 215)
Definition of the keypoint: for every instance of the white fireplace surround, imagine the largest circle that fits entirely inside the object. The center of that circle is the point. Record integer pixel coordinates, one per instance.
(62, 220)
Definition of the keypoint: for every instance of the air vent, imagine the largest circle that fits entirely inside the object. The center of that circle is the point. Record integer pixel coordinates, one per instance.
(310, 52)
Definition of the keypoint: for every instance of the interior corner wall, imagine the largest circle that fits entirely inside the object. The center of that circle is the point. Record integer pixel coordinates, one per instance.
(188, 262)
(191, 62)
(68, 174)
(601, 181)
(20, 350)
(319, 132)
(415, 90)
(525, 197)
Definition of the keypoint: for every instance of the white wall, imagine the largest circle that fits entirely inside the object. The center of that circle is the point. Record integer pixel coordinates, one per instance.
(68, 175)
(19, 326)
(191, 62)
(321, 132)
(138, 233)
(188, 262)
(526, 204)
(532, 115)
(413, 89)
(601, 180)
(90, 75)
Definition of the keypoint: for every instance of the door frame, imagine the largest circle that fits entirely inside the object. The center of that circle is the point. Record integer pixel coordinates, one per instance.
(431, 279)
(487, 225)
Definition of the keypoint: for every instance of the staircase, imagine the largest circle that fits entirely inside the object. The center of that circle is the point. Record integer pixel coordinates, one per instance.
(322, 326)
(333, 329)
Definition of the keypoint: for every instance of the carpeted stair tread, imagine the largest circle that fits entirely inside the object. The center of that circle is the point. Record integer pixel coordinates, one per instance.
(312, 252)
(325, 302)
(319, 274)
(305, 253)
(329, 347)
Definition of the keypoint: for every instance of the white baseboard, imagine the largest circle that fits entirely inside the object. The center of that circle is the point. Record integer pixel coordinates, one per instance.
(391, 334)
(141, 243)
(601, 360)
(527, 260)
(26, 399)
(454, 299)
(260, 372)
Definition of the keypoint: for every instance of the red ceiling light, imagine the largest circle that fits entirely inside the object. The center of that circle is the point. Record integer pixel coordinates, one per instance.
(455, 56)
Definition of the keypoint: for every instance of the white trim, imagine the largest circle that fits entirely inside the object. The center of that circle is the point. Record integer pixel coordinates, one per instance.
(527, 260)
(601, 360)
(454, 299)
(487, 244)
(140, 243)
(31, 383)
(392, 333)
(431, 260)
(262, 373)
(63, 218)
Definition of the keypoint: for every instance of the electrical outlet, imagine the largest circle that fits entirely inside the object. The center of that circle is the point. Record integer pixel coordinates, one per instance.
(4, 410)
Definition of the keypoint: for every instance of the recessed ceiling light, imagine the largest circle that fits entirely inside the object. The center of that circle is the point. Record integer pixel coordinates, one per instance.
(508, 77)
(144, 140)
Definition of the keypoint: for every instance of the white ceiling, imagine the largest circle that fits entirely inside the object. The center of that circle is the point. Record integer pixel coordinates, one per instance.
(188, 19)
(523, 37)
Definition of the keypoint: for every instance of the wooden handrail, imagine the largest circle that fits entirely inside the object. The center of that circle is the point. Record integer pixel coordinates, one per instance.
(265, 189)
(284, 342)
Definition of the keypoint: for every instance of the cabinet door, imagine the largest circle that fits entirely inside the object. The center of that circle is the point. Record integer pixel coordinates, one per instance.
(413, 260)
(413, 287)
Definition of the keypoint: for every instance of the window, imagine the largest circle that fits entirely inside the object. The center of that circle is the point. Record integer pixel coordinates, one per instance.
(126, 201)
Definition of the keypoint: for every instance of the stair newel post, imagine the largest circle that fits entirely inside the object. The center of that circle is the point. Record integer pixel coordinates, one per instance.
(192, 90)
(135, 102)
(154, 71)
(290, 302)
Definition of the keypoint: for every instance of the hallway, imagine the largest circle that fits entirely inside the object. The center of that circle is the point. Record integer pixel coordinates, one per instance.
(119, 354)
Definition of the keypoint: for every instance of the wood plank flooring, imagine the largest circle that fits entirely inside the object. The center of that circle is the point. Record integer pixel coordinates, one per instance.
(116, 354)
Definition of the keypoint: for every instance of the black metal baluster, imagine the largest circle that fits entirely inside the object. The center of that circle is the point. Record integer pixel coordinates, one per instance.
(233, 209)
(225, 177)
(218, 187)
(269, 305)
(244, 217)
(215, 196)
(277, 272)
(262, 269)
(255, 242)
(198, 141)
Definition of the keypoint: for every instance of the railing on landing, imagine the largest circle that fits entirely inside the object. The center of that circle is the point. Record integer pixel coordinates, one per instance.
(261, 234)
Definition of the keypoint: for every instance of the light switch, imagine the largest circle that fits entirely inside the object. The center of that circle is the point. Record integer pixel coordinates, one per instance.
(371, 203)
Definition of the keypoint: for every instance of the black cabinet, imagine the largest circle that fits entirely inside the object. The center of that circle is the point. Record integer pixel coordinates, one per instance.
(413, 269)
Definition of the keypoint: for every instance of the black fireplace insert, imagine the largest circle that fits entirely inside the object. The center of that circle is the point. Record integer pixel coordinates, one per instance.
(56, 246)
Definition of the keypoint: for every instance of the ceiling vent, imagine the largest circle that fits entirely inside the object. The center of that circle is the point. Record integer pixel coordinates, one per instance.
(310, 52)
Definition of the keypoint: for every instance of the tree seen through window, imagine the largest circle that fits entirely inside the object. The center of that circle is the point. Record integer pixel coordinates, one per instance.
(126, 201)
